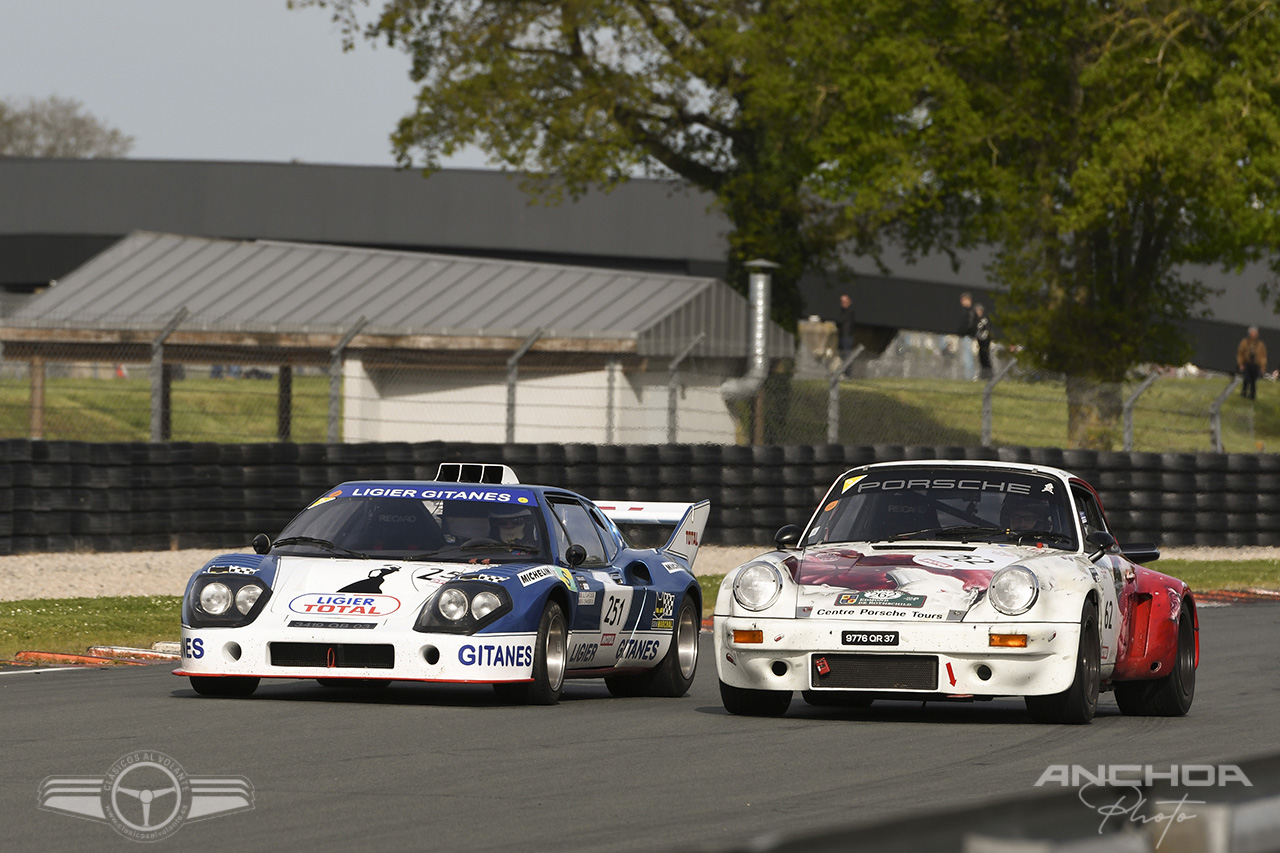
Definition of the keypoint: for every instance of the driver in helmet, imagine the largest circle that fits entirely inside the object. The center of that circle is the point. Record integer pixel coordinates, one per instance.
(514, 526)
(1024, 513)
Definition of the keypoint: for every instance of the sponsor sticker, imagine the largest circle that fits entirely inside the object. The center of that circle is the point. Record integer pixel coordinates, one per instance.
(663, 624)
(850, 483)
(671, 567)
(495, 654)
(880, 598)
(342, 604)
(532, 576)
(608, 639)
(586, 598)
(665, 607)
(932, 562)
(337, 493)
(230, 570)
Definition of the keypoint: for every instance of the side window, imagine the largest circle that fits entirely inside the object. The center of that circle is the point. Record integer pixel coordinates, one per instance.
(606, 534)
(1090, 512)
(581, 529)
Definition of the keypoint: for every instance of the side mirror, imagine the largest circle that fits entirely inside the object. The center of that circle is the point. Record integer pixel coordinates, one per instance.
(788, 536)
(575, 555)
(1102, 541)
(1141, 552)
(261, 543)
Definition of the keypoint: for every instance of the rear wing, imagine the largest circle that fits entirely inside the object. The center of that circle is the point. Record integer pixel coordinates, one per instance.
(647, 525)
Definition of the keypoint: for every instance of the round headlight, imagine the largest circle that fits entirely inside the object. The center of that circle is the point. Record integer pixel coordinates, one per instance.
(757, 586)
(215, 599)
(247, 597)
(452, 604)
(1013, 590)
(484, 603)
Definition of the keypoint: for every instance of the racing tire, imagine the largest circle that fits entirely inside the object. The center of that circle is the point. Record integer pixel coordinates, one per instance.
(550, 662)
(824, 699)
(746, 702)
(673, 676)
(1078, 703)
(227, 686)
(1171, 695)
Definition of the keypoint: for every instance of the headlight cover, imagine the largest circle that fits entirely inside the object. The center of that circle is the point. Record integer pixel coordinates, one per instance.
(757, 586)
(1013, 590)
(224, 601)
(463, 607)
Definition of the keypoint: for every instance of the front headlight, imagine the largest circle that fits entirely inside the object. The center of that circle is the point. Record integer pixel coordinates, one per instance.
(463, 607)
(215, 599)
(453, 604)
(757, 586)
(1013, 590)
(247, 597)
(229, 601)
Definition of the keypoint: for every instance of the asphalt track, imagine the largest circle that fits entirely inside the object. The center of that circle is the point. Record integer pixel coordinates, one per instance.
(432, 768)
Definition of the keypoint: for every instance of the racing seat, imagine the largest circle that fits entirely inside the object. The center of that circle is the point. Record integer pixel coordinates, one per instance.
(398, 524)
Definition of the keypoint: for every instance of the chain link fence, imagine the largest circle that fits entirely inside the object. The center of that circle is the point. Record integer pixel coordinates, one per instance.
(917, 392)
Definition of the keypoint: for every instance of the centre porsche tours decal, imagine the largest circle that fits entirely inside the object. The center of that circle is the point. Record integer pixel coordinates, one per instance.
(338, 604)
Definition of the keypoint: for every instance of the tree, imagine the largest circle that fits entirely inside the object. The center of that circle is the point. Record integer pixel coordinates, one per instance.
(730, 96)
(1100, 147)
(56, 127)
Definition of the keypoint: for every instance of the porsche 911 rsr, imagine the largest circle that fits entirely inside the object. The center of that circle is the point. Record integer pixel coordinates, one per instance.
(487, 581)
(935, 580)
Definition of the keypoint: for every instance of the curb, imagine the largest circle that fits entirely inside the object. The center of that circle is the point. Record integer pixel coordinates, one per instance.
(74, 660)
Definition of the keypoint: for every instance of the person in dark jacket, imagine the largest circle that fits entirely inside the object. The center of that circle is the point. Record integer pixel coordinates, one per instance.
(967, 329)
(982, 334)
(1251, 358)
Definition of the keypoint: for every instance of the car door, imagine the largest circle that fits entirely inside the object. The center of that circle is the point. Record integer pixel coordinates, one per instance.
(1115, 579)
(604, 612)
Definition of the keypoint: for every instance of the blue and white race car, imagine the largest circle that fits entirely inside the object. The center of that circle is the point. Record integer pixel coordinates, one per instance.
(472, 577)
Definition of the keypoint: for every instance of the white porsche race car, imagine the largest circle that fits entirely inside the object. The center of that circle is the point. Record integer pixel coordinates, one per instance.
(956, 580)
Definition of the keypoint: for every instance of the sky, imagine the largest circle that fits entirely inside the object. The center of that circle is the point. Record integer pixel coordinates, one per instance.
(244, 80)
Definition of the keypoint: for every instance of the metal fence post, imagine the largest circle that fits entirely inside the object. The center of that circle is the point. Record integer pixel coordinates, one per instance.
(833, 395)
(673, 384)
(160, 380)
(513, 369)
(1128, 408)
(987, 408)
(1215, 413)
(336, 356)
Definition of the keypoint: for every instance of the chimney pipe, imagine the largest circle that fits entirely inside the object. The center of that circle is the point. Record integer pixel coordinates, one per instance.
(760, 281)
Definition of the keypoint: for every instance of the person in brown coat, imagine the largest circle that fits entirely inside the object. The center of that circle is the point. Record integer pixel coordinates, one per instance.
(1251, 358)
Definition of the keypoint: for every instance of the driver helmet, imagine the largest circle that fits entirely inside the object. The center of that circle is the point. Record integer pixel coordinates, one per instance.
(1025, 512)
(513, 524)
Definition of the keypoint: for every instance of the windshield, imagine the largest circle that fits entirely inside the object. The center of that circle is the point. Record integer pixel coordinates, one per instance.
(420, 521)
(947, 503)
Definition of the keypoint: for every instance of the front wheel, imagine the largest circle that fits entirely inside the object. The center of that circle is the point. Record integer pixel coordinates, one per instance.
(226, 686)
(1078, 703)
(550, 660)
(1171, 695)
(754, 703)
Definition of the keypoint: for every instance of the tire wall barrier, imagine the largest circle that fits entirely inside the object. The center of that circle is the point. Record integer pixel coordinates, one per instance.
(78, 496)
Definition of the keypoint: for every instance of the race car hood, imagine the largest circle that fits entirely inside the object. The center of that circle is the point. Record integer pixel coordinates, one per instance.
(387, 591)
(902, 583)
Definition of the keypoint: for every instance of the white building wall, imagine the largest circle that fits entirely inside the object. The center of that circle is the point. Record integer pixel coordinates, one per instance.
(416, 404)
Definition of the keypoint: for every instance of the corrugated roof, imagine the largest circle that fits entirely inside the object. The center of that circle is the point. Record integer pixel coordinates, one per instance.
(269, 287)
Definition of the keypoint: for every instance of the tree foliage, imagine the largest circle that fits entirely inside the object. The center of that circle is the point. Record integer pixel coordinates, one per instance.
(1100, 148)
(730, 96)
(56, 127)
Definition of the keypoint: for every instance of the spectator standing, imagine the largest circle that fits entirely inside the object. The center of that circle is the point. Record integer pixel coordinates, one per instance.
(966, 330)
(844, 326)
(982, 334)
(1251, 358)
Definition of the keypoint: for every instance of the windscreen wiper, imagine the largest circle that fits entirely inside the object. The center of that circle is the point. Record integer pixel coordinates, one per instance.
(321, 543)
(952, 530)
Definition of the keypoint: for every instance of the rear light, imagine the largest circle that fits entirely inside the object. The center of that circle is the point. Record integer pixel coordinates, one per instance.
(1009, 641)
(748, 636)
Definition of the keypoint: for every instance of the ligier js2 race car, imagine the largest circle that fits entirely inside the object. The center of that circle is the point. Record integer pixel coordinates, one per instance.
(938, 580)
(470, 578)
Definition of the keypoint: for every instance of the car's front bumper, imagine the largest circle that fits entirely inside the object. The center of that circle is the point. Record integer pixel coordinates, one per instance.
(383, 654)
(949, 658)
